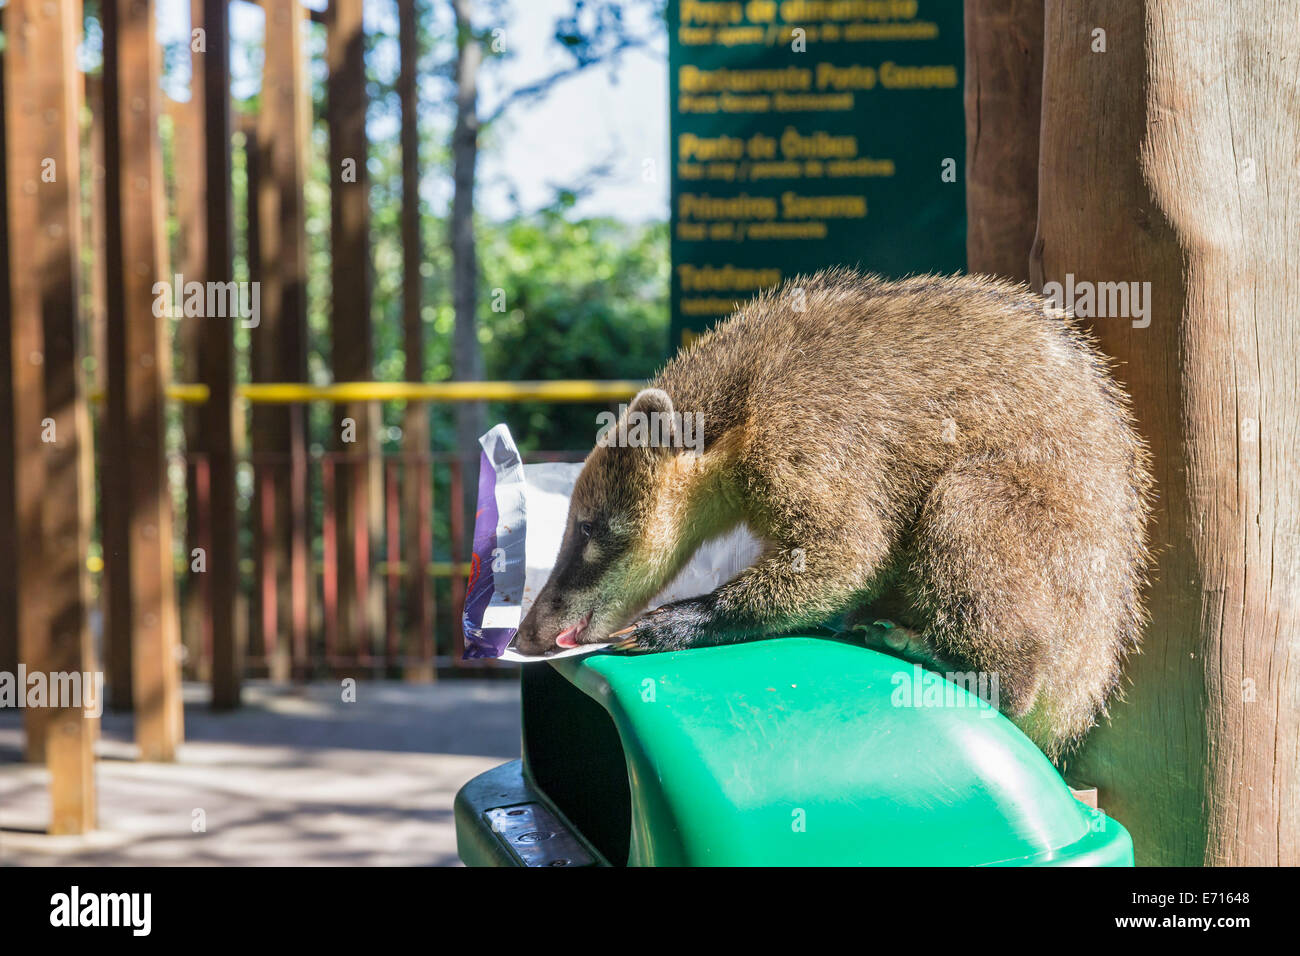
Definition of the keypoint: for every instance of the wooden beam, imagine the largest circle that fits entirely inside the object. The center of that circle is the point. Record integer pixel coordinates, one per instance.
(187, 186)
(51, 425)
(114, 473)
(352, 356)
(8, 464)
(25, 334)
(417, 475)
(94, 223)
(280, 341)
(114, 484)
(137, 499)
(217, 363)
(262, 633)
(1182, 182)
(1004, 81)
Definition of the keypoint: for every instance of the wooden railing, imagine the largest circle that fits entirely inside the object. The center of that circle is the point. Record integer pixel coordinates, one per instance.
(291, 604)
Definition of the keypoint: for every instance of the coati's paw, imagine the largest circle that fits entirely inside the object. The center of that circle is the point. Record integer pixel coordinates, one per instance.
(671, 627)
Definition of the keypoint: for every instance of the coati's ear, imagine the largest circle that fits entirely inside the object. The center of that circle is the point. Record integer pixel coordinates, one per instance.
(651, 400)
(653, 409)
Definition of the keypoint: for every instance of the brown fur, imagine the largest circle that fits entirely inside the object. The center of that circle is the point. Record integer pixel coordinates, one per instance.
(941, 451)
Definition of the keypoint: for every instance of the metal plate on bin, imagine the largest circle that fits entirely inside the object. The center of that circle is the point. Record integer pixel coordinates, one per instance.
(537, 836)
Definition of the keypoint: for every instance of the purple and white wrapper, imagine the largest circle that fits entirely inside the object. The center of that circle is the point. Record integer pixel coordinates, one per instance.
(519, 525)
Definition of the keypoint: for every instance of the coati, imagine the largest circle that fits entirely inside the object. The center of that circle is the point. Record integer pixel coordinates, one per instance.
(948, 454)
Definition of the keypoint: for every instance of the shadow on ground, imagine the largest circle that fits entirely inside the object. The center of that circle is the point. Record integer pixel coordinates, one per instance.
(295, 777)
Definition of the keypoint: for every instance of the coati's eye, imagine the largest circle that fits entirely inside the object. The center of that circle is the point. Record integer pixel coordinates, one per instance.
(585, 529)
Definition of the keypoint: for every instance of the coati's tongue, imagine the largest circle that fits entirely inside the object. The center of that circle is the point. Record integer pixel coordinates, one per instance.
(569, 636)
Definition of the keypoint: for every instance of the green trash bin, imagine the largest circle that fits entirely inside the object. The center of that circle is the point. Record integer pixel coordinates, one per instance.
(795, 751)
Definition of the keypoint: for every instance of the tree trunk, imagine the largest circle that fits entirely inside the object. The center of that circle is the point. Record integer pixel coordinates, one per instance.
(467, 357)
(1167, 159)
(1004, 82)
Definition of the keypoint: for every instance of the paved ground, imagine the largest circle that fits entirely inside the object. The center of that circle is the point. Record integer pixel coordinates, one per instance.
(297, 777)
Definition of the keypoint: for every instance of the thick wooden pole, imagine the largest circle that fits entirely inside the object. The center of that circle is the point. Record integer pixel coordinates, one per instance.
(93, 223)
(24, 333)
(217, 362)
(417, 477)
(280, 341)
(1183, 181)
(51, 425)
(187, 184)
(137, 499)
(114, 473)
(350, 320)
(1004, 75)
(263, 604)
(8, 464)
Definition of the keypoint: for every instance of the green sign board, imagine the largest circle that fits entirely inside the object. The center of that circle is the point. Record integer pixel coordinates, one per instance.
(811, 133)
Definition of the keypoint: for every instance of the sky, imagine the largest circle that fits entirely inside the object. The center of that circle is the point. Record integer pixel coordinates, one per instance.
(605, 117)
(608, 116)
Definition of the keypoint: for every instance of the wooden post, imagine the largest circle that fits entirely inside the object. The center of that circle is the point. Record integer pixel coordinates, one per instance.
(392, 541)
(51, 425)
(417, 476)
(1182, 180)
(115, 655)
(8, 464)
(456, 536)
(1004, 77)
(261, 621)
(426, 668)
(280, 341)
(187, 178)
(350, 321)
(217, 361)
(330, 553)
(94, 224)
(188, 184)
(137, 500)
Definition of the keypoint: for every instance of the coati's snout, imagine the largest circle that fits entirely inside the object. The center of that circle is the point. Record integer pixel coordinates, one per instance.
(602, 577)
(562, 613)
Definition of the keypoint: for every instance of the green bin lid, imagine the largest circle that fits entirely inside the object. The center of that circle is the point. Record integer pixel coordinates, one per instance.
(808, 751)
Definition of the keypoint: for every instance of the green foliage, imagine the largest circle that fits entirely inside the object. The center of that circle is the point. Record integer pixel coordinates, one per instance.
(571, 299)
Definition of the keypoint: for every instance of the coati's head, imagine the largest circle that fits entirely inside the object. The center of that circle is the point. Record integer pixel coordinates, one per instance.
(630, 520)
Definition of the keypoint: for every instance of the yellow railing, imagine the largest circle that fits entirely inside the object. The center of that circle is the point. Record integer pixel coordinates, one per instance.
(286, 393)
(437, 569)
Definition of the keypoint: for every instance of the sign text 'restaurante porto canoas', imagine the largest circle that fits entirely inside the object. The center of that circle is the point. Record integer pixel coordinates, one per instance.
(810, 133)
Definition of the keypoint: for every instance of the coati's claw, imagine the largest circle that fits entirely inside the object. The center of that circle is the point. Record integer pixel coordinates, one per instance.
(672, 627)
(629, 646)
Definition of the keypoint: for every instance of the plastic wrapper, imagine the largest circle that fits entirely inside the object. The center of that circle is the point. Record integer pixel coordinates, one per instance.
(519, 525)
